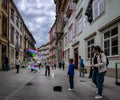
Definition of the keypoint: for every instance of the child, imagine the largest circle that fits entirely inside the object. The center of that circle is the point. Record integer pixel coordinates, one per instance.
(71, 74)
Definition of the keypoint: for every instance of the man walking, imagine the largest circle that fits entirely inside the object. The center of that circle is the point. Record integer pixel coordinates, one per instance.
(81, 66)
(17, 63)
(47, 67)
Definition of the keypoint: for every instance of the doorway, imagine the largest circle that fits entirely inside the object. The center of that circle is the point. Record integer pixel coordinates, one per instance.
(76, 58)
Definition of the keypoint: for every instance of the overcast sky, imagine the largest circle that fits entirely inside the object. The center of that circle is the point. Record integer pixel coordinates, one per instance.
(39, 16)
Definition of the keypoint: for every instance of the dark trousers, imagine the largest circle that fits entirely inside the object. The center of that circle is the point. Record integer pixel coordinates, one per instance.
(47, 71)
(63, 66)
(94, 76)
(71, 81)
(100, 80)
(17, 68)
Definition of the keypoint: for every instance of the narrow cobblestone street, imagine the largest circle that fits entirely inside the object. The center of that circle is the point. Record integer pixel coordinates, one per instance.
(29, 85)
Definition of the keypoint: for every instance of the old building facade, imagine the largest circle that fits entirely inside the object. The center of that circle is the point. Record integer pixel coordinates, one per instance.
(4, 33)
(15, 37)
(80, 37)
(52, 44)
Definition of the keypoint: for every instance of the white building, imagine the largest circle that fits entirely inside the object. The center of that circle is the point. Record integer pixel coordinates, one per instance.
(80, 37)
(15, 34)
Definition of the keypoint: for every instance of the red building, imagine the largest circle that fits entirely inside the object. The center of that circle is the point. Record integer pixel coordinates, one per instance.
(53, 45)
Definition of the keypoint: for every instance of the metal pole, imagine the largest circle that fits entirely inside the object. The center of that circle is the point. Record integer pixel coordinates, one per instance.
(116, 74)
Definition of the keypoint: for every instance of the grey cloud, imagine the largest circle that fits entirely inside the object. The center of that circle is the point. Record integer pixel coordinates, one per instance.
(39, 16)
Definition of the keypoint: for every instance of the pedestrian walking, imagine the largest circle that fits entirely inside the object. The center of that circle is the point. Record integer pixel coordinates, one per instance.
(95, 71)
(81, 62)
(47, 67)
(60, 65)
(55, 66)
(63, 64)
(101, 65)
(17, 63)
(71, 74)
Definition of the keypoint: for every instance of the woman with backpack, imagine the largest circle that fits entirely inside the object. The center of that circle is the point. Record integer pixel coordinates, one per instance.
(101, 65)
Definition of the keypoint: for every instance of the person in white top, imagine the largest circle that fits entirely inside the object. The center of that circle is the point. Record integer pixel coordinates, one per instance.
(17, 63)
(101, 65)
(47, 67)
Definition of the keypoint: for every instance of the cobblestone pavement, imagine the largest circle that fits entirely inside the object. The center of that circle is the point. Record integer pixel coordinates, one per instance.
(29, 85)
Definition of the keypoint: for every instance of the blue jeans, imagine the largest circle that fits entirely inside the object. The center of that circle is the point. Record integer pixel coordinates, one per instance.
(94, 76)
(71, 82)
(100, 78)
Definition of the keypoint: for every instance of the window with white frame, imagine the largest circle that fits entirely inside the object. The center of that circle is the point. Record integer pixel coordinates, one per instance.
(70, 33)
(17, 21)
(79, 25)
(90, 46)
(20, 40)
(98, 8)
(111, 42)
(65, 39)
(12, 14)
(12, 34)
(17, 36)
(12, 57)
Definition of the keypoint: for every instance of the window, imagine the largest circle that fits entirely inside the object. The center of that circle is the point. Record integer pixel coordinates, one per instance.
(79, 26)
(4, 25)
(111, 42)
(90, 46)
(4, 51)
(20, 40)
(17, 21)
(98, 8)
(21, 26)
(12, 14)
(4, 4)
(70, 33)
(68, 37)
(12, 57)
(12, 34)
(65, 39)
(67, 53)
(17, 34)
(85, 21)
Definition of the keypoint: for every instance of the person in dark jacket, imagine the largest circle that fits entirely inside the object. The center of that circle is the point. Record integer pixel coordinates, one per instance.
(71, 74)
(81, 62)
(6, 64)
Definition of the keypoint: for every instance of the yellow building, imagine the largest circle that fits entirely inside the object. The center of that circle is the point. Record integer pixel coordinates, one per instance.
(3, 30)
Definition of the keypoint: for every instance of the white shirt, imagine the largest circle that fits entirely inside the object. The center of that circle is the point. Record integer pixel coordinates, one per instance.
(101, 63)
(17, 62)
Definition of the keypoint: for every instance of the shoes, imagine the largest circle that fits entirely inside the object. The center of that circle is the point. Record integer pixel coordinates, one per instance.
(70, 89)
(98, 97)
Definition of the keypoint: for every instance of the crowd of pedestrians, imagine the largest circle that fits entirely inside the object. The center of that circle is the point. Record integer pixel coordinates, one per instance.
(98, 69)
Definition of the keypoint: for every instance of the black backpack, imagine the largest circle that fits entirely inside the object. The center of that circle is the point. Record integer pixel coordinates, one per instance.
(107, 63)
